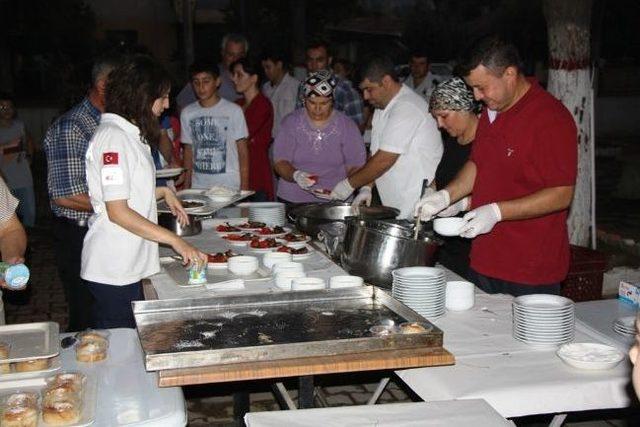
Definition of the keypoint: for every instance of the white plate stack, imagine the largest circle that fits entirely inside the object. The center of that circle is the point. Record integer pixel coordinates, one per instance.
(423, 289)
(541, 319)
(625, 326)
(271, 213)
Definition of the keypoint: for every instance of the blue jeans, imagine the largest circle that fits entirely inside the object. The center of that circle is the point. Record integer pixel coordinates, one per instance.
(27, 208)
(112, 306)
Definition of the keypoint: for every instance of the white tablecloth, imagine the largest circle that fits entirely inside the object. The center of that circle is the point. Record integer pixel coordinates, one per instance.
(126, 394)
(317, 265)
(513, 377)
(454, 413)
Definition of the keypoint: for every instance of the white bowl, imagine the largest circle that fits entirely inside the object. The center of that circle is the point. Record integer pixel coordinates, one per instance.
(337, 282)
(279, 267)
(448, 226)
(242, 264)
(590, 356)
(271, 258)
(283, 280)
(308, 284)
(460, 295)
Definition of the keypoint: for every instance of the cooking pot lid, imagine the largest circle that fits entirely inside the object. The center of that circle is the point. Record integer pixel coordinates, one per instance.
(339, 211)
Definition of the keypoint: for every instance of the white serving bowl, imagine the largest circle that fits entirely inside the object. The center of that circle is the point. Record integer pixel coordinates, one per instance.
(590, 356)
(283, 280)
(337, 282)
(448, 226)
(242, 264)
(271, 258)
(279, 267)
(460, 295)
(308, 284)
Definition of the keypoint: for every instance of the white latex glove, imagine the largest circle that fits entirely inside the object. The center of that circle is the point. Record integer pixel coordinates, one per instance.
(342, 190)
(430, 204)
(363, 197)
(454, 209)
(480, 220)
(303, 179)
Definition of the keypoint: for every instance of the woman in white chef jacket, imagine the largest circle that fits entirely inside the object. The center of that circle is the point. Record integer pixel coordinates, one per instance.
(121, 246)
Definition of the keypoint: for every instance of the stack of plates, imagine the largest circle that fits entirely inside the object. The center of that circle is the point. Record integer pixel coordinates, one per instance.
(271, 213)
(422, 289)
(625, 326)
(543, 319)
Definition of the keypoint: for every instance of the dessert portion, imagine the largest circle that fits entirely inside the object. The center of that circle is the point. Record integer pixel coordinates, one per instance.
(293, 251)
(413, 328)
(295, 237)
(227, 228)
(20, 410)
(92, 346)
(254, 225)
(32, 365)
(265, 231)
(245, 237)
(220, 257)
(62, 398)
(5, 367)
(258, 243)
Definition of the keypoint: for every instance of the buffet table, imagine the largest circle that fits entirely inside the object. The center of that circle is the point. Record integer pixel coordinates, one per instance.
(126, 393)
(452, 413)
(515, 378)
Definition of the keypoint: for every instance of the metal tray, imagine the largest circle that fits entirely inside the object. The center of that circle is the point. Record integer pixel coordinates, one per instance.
(55, 365)
(260, 327)
(210, 206)
(38, 340)
(180, 274)
(88, 398)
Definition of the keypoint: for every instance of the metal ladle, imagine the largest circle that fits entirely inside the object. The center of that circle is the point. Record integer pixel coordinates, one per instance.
(418, 226)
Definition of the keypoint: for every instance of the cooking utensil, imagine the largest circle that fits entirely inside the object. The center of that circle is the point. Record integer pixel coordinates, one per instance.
(372, 249)
(418, 226)
(170, 222)
(309, 217)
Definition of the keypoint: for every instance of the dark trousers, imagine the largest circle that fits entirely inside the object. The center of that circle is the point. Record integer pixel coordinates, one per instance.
(496, 286)
(68, 240)
(112, 308)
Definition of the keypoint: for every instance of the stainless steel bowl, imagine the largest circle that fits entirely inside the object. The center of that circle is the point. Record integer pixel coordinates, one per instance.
(309, 217)
(170, 222)
(373, 249)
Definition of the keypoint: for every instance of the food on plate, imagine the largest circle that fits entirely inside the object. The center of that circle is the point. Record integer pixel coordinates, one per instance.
(5, 368)
(72, 381)
(252, 224)
(92, 346)
(32, 365)
(295, 237)
(220, 191)
(258, 243)
(21, 410)
(221, 257)
(246, 237)
(227, 228)
(293, 251)
(61, 412)
(192, 204)
(271, 230)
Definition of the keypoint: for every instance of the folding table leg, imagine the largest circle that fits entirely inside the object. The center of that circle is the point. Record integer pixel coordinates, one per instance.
(305, 391)
(283, 396)
(379, 390)
(241, 405)
(558, 420)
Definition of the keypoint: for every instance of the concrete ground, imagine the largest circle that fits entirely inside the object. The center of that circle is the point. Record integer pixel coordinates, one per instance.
(618, 225)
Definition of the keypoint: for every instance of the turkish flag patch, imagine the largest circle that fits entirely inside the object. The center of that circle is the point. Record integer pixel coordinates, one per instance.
(110, 158)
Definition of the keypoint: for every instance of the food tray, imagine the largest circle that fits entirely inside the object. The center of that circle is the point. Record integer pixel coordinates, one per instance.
(210, 206)
(180, 274)
(89, 390)
(11, 376)
(260, 327)
(38, 340)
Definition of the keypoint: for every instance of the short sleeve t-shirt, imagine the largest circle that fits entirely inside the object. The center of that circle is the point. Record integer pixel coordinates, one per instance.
(15, 167)
(119, 167)
(406, 128)
(213, 133)
(326, 152)
(529, 147)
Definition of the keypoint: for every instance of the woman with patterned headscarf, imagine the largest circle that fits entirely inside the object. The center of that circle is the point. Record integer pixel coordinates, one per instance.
(316, 146)
(456, 111)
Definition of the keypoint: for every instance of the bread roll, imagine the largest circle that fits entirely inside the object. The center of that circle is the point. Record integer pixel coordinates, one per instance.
(32, 365)
(61, 413)
(19, 416)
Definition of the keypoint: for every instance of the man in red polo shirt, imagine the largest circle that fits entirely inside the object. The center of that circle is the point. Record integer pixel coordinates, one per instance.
(519, 180)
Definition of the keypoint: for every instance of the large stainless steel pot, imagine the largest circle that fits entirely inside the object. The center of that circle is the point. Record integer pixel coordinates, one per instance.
(373, 249)
(170, 222)
(309, 217)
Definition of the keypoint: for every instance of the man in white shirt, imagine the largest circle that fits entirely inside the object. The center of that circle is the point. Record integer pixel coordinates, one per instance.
(406, 145)
(281, 89)
(214, 134)
(420, 80)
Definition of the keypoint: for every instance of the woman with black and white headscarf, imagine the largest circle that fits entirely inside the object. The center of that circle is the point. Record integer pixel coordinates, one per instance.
(456, 111)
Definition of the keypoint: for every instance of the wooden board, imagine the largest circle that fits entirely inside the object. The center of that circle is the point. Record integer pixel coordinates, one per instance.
(148, 290)
(379, 360)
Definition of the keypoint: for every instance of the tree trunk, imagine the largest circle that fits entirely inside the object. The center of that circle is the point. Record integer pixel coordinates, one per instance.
(568, 29)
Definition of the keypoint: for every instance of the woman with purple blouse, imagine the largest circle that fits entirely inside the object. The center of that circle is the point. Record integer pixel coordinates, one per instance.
(316, 146)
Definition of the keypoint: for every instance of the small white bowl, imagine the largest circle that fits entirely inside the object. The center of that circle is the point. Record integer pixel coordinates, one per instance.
(460, 295)
(448, 226)
(279, 267)
(283, 280)
(590, 356)
(308, 284)
(337, 282)
(242, 264)
(271, 258)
